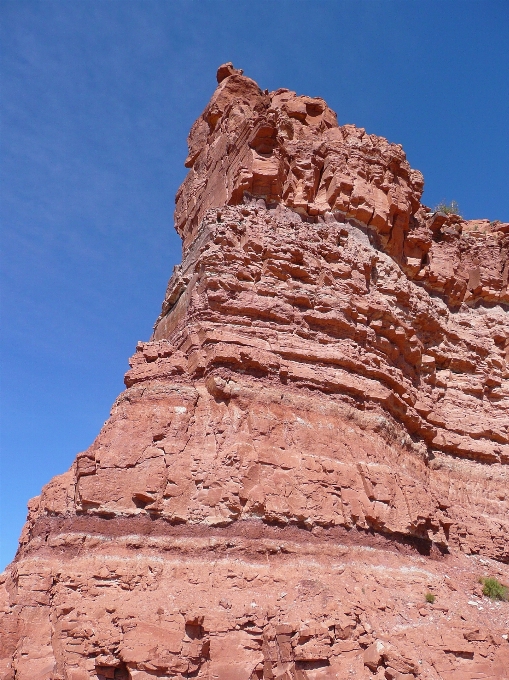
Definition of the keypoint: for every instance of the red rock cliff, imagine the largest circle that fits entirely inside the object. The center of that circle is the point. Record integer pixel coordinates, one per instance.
(316, 435)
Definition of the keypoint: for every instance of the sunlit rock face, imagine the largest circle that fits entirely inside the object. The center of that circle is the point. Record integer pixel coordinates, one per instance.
(315, 437)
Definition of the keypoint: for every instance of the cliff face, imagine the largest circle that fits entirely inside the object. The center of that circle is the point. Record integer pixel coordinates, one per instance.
(316, 435)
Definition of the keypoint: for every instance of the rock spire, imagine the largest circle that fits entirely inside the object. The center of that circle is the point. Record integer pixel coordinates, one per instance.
(314, 439)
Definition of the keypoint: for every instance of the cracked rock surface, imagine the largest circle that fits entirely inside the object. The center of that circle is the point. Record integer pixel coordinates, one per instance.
(314, 439)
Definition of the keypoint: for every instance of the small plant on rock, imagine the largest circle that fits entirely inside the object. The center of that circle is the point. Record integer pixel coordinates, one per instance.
(451, 208)
(492, 588)
(430, 598)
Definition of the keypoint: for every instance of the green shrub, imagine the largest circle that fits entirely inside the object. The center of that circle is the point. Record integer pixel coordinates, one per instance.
(451, 208)
(492, 588)
(430, 598)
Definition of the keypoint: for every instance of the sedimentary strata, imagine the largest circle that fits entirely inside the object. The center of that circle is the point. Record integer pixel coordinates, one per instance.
(316, 435)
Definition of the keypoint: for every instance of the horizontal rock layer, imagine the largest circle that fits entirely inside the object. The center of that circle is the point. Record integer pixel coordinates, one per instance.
(315, 437)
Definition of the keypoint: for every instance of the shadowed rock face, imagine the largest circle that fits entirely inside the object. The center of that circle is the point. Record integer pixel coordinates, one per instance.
(316, 435)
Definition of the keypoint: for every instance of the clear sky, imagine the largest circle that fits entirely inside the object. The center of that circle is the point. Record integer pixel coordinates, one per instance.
(97, 99)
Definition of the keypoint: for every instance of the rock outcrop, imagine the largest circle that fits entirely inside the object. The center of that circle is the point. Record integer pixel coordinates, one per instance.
(315, 437)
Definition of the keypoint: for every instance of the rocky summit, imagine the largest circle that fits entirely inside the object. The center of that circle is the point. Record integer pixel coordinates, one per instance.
(307, 476)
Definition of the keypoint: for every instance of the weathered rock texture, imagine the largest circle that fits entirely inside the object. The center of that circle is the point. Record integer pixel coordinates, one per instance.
(316, 435)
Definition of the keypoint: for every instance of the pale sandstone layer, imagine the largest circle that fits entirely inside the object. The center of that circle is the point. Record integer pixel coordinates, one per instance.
(316, 435)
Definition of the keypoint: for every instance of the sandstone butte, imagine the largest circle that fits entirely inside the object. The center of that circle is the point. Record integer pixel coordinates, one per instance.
(315, 437)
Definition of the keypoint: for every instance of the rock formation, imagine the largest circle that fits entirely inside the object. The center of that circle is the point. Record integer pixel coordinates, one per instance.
(315, 437)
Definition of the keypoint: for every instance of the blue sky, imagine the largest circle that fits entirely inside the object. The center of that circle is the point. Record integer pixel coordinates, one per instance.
(97, 99)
